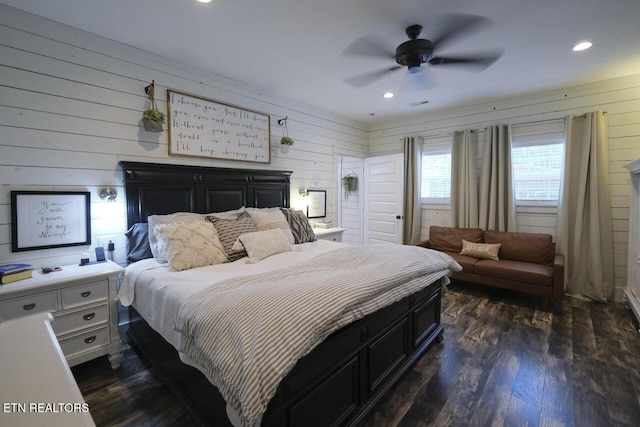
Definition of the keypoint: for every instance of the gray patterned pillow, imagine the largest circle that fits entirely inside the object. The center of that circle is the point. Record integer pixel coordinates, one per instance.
(229, 230)
(300, 227)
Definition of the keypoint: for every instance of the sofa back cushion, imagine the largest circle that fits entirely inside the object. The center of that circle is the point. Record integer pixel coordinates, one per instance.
(448, 239)
(525, 247)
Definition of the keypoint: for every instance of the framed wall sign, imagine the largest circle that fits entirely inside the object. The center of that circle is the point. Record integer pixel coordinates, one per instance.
(203, 127)
(317, 207)
(49, 219)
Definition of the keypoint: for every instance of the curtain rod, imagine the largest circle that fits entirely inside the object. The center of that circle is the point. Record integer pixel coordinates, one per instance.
(535, 122)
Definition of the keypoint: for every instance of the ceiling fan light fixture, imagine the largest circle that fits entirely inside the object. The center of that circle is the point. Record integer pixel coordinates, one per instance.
(582, 46)
(413, 63)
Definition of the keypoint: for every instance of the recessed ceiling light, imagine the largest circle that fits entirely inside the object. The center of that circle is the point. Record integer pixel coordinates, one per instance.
(204, 1)
(582, 46)
(388, 95)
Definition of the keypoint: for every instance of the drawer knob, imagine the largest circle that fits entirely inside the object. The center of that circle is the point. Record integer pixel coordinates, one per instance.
(89, 316)
(29, 306)
(90, 339)
(85, 294)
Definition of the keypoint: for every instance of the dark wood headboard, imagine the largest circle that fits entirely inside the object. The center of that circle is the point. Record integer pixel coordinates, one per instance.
(153, 188)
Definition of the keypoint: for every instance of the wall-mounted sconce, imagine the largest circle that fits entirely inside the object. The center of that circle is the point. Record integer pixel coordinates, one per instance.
(109, 194)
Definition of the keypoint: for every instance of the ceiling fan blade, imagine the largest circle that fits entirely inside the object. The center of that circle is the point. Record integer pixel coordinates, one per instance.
(478, 61)
(368, 48)
(455, 26)
(368, 78)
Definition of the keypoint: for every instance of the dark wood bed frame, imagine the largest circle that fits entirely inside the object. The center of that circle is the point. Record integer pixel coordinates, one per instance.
(340, 381)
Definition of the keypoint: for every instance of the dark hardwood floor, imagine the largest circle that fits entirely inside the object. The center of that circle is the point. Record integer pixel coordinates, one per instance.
(502, 363)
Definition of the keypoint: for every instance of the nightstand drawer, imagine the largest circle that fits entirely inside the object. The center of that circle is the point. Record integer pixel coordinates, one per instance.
(36, 303)
(85, 342)
(84, 294)
(65, 323)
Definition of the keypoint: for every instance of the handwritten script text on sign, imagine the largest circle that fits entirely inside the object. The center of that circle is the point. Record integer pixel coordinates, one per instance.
(53, 219)
(208, 129)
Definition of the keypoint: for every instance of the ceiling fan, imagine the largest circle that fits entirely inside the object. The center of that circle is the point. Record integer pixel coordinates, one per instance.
(415, 52)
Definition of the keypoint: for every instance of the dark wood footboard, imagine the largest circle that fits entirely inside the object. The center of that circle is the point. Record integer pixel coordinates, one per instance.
(338, 383)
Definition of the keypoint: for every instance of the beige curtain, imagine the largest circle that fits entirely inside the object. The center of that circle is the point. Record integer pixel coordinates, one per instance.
(412, 179)
(464, 180)
(584, 229)
(497, 197)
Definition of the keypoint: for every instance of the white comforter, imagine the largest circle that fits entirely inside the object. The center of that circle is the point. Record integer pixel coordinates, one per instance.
(246, 325)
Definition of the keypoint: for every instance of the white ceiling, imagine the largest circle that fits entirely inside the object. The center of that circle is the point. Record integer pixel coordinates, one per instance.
(295, 48)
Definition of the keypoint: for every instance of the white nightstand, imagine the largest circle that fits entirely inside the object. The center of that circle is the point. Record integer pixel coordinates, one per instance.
(334, 234)
(82, 300)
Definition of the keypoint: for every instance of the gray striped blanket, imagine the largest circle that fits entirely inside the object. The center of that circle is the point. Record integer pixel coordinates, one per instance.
(247, 333)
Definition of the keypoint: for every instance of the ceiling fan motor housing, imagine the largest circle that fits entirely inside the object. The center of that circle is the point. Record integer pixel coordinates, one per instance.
(413, 53)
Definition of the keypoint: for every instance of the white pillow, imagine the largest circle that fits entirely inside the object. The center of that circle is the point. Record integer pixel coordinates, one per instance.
(174, 218)
(270, 218)
(191, 245)
(262, 244)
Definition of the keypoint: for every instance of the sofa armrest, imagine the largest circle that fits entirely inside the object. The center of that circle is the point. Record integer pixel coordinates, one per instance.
(558, 275)
(424, 244)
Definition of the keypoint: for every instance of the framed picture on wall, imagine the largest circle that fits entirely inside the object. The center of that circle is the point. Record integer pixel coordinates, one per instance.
(49, 219)
(317, 207)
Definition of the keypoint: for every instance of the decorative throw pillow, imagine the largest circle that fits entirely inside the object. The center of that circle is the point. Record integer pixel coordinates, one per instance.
(138, 242)
(480, 250)
(262, 244)
(191, 245)
(299, 225)
(174, 218)
(228, 214)
(229, 230)
(270, 218)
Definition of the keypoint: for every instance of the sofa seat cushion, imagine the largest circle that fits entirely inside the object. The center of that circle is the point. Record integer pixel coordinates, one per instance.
(525, 247)
(466, 262)
(517, 271)
(447, 239)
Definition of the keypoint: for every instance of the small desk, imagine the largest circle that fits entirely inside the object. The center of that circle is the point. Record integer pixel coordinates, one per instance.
(37, 387)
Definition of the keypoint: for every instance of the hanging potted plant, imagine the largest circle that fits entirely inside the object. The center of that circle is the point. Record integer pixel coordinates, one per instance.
(285, 142)
(349, 184)
(152, 118)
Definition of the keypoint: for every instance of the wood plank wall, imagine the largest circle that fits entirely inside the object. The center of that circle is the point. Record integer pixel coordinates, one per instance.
(619, 97)
(70, 109)
(351, 205)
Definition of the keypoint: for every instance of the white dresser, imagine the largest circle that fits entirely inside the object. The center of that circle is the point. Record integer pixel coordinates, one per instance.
(82, 300)
(632, 293)
(333, 234)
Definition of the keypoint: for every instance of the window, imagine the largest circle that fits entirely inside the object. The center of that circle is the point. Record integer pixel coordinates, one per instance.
(436, 172)
(537, 156)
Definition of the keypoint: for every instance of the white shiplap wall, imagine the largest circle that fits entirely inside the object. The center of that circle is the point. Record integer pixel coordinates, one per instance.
(619, 97)
(351, 205)
(70, 109)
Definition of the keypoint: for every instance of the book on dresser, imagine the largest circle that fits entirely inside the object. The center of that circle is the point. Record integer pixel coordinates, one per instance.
(14, 272)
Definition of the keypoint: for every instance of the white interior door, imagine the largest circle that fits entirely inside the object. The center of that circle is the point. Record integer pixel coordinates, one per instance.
(383, 198)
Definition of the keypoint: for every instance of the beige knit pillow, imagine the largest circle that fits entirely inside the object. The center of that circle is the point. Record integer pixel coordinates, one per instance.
(191, 245)
(480, 250)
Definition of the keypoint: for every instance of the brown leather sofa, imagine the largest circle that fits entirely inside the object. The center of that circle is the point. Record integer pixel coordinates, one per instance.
(527, 262)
